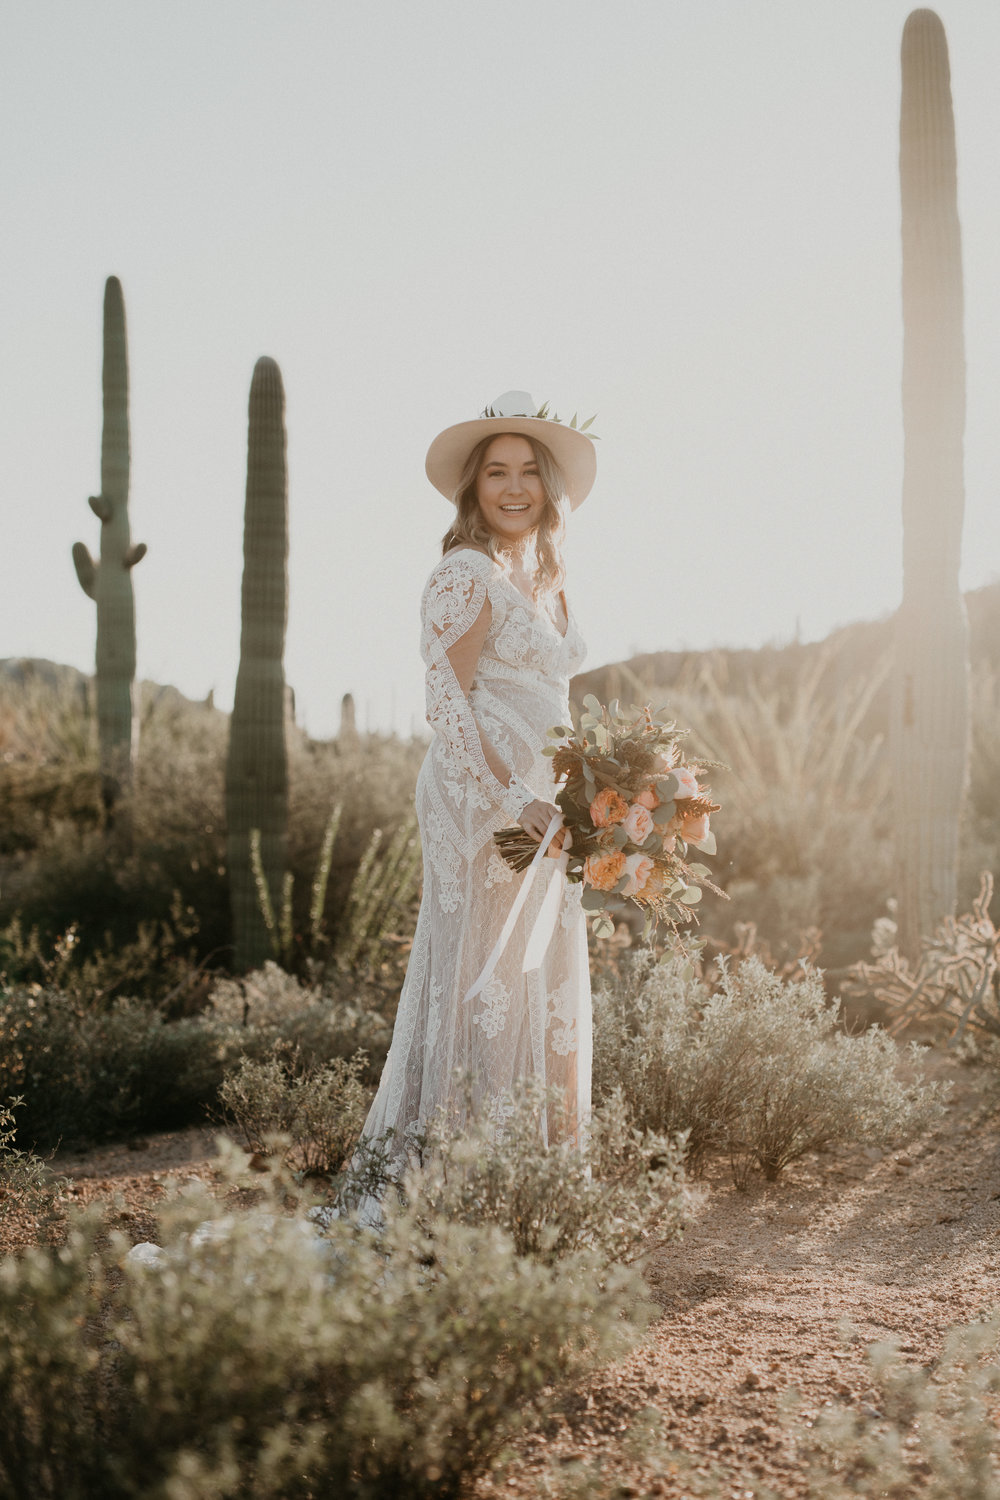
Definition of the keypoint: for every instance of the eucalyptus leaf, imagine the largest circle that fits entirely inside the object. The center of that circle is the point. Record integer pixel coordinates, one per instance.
(707, 845)
(593, 704)
(691, 896)
(603, 927)
(592, 900)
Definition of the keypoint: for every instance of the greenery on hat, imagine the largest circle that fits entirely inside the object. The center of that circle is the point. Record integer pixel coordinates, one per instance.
(544, 415)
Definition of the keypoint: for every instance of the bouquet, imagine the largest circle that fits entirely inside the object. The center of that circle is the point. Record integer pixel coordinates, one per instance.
(635, 808)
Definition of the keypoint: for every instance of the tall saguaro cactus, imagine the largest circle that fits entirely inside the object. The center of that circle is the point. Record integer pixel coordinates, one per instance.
(257, 767)
(930, 721)
(109, 581)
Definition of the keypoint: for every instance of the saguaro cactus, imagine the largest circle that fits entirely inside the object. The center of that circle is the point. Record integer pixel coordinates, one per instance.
(109, 581)
(257, 767)
(930, 721)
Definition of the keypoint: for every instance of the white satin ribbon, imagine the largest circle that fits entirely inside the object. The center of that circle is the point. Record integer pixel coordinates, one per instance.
(541, 932)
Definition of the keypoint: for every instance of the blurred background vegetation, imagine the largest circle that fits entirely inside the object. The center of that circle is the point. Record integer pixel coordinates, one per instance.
(804, 835)
(116, 960)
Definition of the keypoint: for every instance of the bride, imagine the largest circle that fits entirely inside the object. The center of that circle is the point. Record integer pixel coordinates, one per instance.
(500, 644)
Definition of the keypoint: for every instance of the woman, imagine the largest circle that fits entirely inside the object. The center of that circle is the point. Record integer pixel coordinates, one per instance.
(500, 645)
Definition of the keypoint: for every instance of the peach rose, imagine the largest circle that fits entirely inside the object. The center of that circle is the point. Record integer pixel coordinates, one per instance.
(655, 883)
(639, 823)
(648, 798)
(603, 871)
(688, 786)
(638, 868)
(608, 808)
(695, 828)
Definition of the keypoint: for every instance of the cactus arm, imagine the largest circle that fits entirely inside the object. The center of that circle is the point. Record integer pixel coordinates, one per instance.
(135, 554)
(101, 506)
(86, 569)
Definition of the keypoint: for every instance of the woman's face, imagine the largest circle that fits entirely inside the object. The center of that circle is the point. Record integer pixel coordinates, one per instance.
(509, 487)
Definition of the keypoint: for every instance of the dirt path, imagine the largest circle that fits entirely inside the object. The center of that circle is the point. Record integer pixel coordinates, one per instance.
(755, 1299)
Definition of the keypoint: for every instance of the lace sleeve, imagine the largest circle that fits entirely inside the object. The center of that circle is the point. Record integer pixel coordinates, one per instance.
(453, 603)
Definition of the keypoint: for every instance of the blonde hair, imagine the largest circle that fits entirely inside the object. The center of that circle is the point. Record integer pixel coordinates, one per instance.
(469, 525)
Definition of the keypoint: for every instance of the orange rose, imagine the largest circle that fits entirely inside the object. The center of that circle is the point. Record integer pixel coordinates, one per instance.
(649, 799)
(603, 871)
(607, 808)
(695, 828)
(655, 882)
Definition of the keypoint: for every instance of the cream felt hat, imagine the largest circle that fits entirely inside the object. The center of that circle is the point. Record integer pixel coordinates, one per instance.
(570, 446)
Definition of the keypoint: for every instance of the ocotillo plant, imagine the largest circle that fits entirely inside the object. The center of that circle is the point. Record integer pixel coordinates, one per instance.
(930, 709)
(257, 766)
(109, 581)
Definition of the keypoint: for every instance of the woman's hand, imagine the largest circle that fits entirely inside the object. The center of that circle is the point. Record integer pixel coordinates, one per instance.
(535, 819)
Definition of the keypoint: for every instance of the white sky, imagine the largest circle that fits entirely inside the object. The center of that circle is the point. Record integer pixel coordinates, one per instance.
(679, 214)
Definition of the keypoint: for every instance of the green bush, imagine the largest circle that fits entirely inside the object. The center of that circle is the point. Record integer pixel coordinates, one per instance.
(319, 1111)
(25, 1181)
(758, 1070)
(261, 1360)
(271, 1009)
(621, 1194)
(932, 1431)
(61, 870)
(88, 1075)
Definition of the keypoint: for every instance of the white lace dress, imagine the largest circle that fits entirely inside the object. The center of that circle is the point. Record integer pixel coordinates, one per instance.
(520, 1024)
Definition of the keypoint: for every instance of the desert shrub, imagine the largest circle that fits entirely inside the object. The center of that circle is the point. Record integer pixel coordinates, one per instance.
(337, 1017)
(25, 1181)
(89, 1072)
(62, 870)
(954, 986)
(319, 1111)
(805, 827)
(620, 1194)
(758, 1070)
(933, 1431)
(262, 1360)
(86, 1074)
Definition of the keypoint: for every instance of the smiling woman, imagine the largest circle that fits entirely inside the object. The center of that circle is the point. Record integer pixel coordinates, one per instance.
(508, 486)
(500, 644)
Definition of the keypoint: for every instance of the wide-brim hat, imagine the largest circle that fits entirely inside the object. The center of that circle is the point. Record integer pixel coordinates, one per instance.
(571, 447)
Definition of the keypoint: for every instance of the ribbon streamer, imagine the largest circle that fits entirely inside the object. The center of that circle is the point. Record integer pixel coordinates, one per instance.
(550, 906)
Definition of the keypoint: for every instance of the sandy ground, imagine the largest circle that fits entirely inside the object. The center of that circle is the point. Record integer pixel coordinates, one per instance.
(773, 1294)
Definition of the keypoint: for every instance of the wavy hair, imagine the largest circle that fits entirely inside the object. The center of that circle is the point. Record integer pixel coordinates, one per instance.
(546, 540)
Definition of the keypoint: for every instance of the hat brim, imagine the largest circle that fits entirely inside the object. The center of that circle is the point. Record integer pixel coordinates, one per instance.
(573, 451)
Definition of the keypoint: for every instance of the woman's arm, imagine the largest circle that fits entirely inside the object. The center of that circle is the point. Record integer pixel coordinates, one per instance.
(457, 615)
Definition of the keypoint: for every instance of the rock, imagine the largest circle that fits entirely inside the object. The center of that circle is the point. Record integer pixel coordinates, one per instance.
(147, 1254)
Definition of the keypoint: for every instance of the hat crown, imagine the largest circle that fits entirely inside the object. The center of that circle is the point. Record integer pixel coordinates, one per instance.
(513, 404)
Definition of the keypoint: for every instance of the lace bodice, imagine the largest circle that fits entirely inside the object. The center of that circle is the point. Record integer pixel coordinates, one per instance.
(520, 685)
